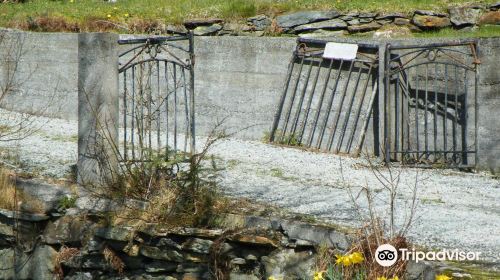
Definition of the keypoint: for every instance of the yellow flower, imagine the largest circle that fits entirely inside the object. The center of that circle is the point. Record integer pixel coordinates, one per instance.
(126, 15)
(109, 16)
(319, 275)
(115, 8)
(394, 278)
(442, 277)
(381, 278)
(356, 258)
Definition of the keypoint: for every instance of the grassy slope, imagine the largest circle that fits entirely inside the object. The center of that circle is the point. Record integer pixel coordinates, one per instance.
(124, 12)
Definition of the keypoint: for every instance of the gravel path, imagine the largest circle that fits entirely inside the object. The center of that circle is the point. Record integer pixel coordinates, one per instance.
(455, 210)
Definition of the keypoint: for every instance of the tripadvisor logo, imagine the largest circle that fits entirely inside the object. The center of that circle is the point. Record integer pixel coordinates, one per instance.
(386, 255)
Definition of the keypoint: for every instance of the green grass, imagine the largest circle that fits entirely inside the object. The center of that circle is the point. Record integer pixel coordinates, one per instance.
(482, 31)
(78, 12)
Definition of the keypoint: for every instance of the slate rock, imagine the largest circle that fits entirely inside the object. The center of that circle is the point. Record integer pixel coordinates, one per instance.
(354, 21)
(197, 245)
(429, 13)
(464, 16)
(207, 30)
(490, 18)
(391, 16)
(365, 20)
(401, 21)
(364, 27)
(300, 18)
(66, 230)
(367, 15)
(431, 22)
(323, 33)
(316, 234)
(115, 233)
(161, 254)
(289, 264)
(260, 22)
(176, 29)
(242, 276)
(159, 266)
(349, 16)
(23, 216)
(193, 23)
(332, 24)
(419, 271)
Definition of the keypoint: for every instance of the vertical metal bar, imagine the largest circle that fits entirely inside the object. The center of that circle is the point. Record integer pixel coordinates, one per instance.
(292, 100)
(396, 117)
(329, 107)
(407, 122)
(320, 104)
(141, 104)
(417, 134)
(436, 154)
(277, 116)
(308, 106)
(358, 112)
(158, 108)
(385, 73)
(186, 110)
(342, 98)
(426, 106)
(476, 80)
(445, 115)
(464, 120)
(167, 94)
(349, 109)
(175, 106)
(192, 93)
(455, 119)
(367, 119)
(125, 111)
(301, 101)
(132, 129)
(150, 102)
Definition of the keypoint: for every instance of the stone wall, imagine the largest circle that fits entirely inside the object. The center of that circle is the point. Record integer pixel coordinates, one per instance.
(86, 242)
(334, 23)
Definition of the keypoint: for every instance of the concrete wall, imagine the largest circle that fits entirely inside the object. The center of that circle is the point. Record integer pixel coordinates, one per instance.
(238, 78)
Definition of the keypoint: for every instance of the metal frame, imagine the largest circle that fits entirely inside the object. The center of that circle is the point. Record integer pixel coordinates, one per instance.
(156, 77)
(428, 106)
(301, 118)
(412, 80)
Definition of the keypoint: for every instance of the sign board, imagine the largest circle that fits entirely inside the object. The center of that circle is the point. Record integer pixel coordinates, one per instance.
(340, 51)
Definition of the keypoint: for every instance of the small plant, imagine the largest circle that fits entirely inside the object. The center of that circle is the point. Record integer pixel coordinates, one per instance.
(67, 202)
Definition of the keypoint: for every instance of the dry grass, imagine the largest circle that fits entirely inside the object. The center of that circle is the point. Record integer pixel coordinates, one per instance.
(12, 199)
(65, 254)
(113, 260)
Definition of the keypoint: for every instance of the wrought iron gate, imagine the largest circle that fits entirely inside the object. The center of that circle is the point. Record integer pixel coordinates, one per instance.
(431, 103)
(428, 114)
(157, 98)
(326, 103)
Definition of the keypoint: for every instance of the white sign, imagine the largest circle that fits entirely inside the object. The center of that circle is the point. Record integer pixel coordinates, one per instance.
(340, 51)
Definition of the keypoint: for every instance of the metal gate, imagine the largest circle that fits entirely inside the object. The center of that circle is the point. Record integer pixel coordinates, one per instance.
(157, 98)
(431, 103)
(326, 102)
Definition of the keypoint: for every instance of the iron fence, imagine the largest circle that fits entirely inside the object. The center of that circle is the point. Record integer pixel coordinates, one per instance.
(157, 98)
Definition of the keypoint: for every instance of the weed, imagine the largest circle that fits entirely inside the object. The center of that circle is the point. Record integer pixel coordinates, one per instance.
(67, 202)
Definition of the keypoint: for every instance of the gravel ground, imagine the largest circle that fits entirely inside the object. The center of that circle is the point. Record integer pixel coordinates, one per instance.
(455, 210)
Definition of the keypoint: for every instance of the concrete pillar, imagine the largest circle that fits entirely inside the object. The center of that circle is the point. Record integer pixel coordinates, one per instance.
(97, 108)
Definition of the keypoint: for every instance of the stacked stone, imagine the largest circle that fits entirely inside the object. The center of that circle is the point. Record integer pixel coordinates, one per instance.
(334, 23)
